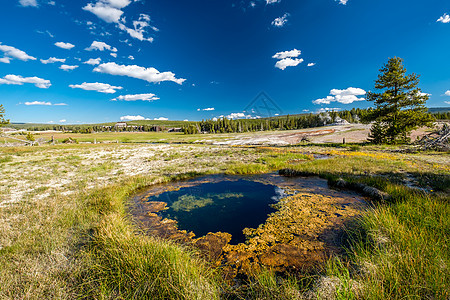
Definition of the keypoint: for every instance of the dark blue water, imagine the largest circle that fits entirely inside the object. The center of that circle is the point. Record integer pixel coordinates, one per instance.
(227, 206)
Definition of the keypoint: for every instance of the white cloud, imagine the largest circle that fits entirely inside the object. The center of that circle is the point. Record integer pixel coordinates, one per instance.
(132, 118)
(44, 103)
(131, 57)
(286, 54)
(28, 3)
(147, 74)
(288, 62)
(67, 67)
(104, 11)
(272, 1)
(139, 28)
(447, 102)
(11, 52)
(206, 109)
(38, 103)
(343, 2)
(63, 121)
(110, 11)
(281, 21)
(52, 60)
(447, 93)
(63, 45)
(101, 46)
(346, 96)
(97, 86)
(136, 97)
(113, 55)
(444, 19)
(311, 64)
(93, 61)
(19, 80)
(161, 119)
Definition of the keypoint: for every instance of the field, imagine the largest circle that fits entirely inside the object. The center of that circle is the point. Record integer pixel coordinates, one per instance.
(65, 230)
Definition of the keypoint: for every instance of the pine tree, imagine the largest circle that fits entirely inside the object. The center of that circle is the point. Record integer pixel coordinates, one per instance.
(3, 121)
(399, 104)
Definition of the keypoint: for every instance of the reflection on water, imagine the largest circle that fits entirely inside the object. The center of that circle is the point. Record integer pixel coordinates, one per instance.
(227, 206)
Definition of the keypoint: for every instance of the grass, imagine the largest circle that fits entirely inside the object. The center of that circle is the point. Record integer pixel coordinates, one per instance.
(73, 239)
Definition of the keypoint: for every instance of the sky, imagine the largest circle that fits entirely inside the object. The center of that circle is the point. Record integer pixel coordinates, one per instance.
(94, 61)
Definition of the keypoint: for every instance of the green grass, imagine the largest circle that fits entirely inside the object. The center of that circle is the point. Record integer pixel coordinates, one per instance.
(85, 246)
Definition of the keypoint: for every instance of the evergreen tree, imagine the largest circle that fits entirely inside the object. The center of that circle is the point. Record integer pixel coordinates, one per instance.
(3, 121)
(399, 104)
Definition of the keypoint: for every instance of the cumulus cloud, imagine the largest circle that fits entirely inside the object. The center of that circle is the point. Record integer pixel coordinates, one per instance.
(19, 80)
(444, 19)
(161, 119)
(346, 96)
(287, 54)
(343, 2)
(63, 45)
(63, 121)
(272, 1)
(136, 97)
(28, 3)
(139, 28)
(38, 103)
(132, 118)
(131, 57)
(93, 61)
(110, 11)
(44, 103)
(67, 67)
(10, 52)
(101, 46)
(288, 62)
(280, 21)
(113, 55)
(206, 109)
(311, 64)
(97, 86)
(147, 74)
(52, 60)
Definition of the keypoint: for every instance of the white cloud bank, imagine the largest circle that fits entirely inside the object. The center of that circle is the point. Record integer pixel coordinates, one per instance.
(132, 118)
(287, 59)
(287, 54)
(63, 45)
(52, 60)
(137, 97)
(25, 3)
(346, 96)
(10, 53)
(93, 61)
(97, 86)
(44, 103)
(444, 19)
(147, 74)
(101, 46)
(68, 67)
(19, 80)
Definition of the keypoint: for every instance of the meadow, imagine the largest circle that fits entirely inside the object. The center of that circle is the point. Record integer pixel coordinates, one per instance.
(66, 231)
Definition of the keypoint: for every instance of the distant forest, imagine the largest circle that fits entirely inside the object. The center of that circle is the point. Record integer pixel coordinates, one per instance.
(224, 125)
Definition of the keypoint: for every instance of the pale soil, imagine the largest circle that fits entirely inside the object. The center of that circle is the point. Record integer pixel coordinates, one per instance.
(352, 133)
(38, 174)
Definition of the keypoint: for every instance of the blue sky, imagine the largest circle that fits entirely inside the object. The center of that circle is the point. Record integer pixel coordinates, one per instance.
(92, 61)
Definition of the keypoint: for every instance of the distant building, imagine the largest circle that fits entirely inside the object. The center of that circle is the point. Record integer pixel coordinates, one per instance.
(121, 125)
